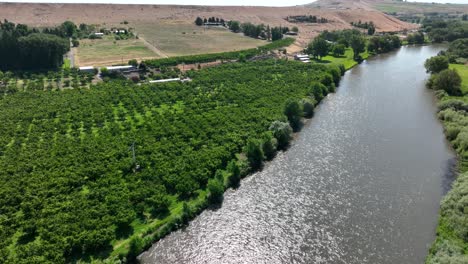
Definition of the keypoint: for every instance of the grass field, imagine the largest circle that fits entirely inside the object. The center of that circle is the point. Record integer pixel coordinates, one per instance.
(107, 51)
(184, 39)
(347, 60)
(463, 71)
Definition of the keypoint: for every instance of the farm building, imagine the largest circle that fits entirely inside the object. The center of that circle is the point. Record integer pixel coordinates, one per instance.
(87, 69)
(121, 68)
(302, 57)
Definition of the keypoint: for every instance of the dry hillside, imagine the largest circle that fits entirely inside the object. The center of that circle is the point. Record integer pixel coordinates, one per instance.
(52, 14)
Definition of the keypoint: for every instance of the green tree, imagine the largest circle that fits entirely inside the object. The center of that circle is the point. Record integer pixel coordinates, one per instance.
(133, 62)
(216, 190)
(234, 26)
(254, 153)
(295, 29)
(448, 80)
(293, 112)
(338, 50)
(68, 28)
(308, 105)
(199, 21)
(234, 173)
(436, 64)
(282, 131)
(269, 145)
(358, 44)
(318, 48)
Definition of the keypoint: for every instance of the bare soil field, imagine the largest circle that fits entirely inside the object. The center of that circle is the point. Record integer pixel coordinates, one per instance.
(161, 25)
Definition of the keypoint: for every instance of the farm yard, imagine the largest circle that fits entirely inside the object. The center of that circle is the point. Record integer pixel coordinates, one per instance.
(108, 51)
(177, 39)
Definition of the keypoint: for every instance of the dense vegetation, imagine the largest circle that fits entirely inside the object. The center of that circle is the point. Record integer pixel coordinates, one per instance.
(306, 19)
(22, 48)
(452, 85)
(232, 55)
(70, 189)
(441, 30)
(383, 44)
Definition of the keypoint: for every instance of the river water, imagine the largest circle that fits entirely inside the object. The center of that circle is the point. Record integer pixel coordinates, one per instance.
(361, 183)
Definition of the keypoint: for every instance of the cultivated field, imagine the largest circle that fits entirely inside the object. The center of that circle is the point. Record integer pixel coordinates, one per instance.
(176, 39)
(107, 51)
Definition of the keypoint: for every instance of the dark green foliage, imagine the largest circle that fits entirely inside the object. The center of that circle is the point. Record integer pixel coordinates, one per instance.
(447, 80)
(318, 48)
(439, 30)
(234, 173)
(366, 25)
(458, 48)
(383, 44)
(216, 190)
(340, 36)
(233, 55)
(415, 38)
(254, 153)
(293, 111)
(308, 105)
(199, 21)
(136, 246)
(234, 26)
(67, 183)
(276, 33)
(338, 50)
(269, 145)
(24, 49)
(358, 44)
(133, 62)
(282, 131)
(436, 64)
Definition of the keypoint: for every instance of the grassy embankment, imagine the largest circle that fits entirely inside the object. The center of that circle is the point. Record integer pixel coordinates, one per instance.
(451, 245)
(347, 59)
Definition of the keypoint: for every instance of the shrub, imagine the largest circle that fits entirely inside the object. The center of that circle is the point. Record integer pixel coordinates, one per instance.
(269, 145)
(254, 153)
(234, 171)
(216, 189)
(293, 111)
(308, 105)
(436, 64)
(447, 80)
(282, 131)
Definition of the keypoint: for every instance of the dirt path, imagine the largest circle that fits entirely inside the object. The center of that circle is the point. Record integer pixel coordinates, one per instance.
(153, 48)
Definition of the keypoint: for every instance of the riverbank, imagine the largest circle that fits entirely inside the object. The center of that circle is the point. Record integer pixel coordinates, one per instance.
(451, 245)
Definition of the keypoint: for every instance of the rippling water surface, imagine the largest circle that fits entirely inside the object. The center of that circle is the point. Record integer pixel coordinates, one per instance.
(361, 184)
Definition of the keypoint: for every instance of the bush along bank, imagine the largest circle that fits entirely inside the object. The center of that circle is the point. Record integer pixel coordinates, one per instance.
(450, 82)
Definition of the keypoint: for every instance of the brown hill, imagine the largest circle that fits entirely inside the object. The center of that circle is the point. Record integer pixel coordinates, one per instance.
(53, 14)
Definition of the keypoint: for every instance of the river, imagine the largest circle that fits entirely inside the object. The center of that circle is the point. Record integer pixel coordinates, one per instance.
(361, 183)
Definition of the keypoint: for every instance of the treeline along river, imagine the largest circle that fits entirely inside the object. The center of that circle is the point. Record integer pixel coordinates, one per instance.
(361, 183)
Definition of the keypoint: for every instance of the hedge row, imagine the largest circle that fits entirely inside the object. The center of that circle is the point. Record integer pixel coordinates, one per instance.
(231, 55)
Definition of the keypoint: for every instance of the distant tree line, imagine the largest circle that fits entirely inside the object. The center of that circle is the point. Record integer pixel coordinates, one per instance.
(366, 25)
(306, 19)
(24, 48)
(251, 30)
(202, 21)
(439, 30)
